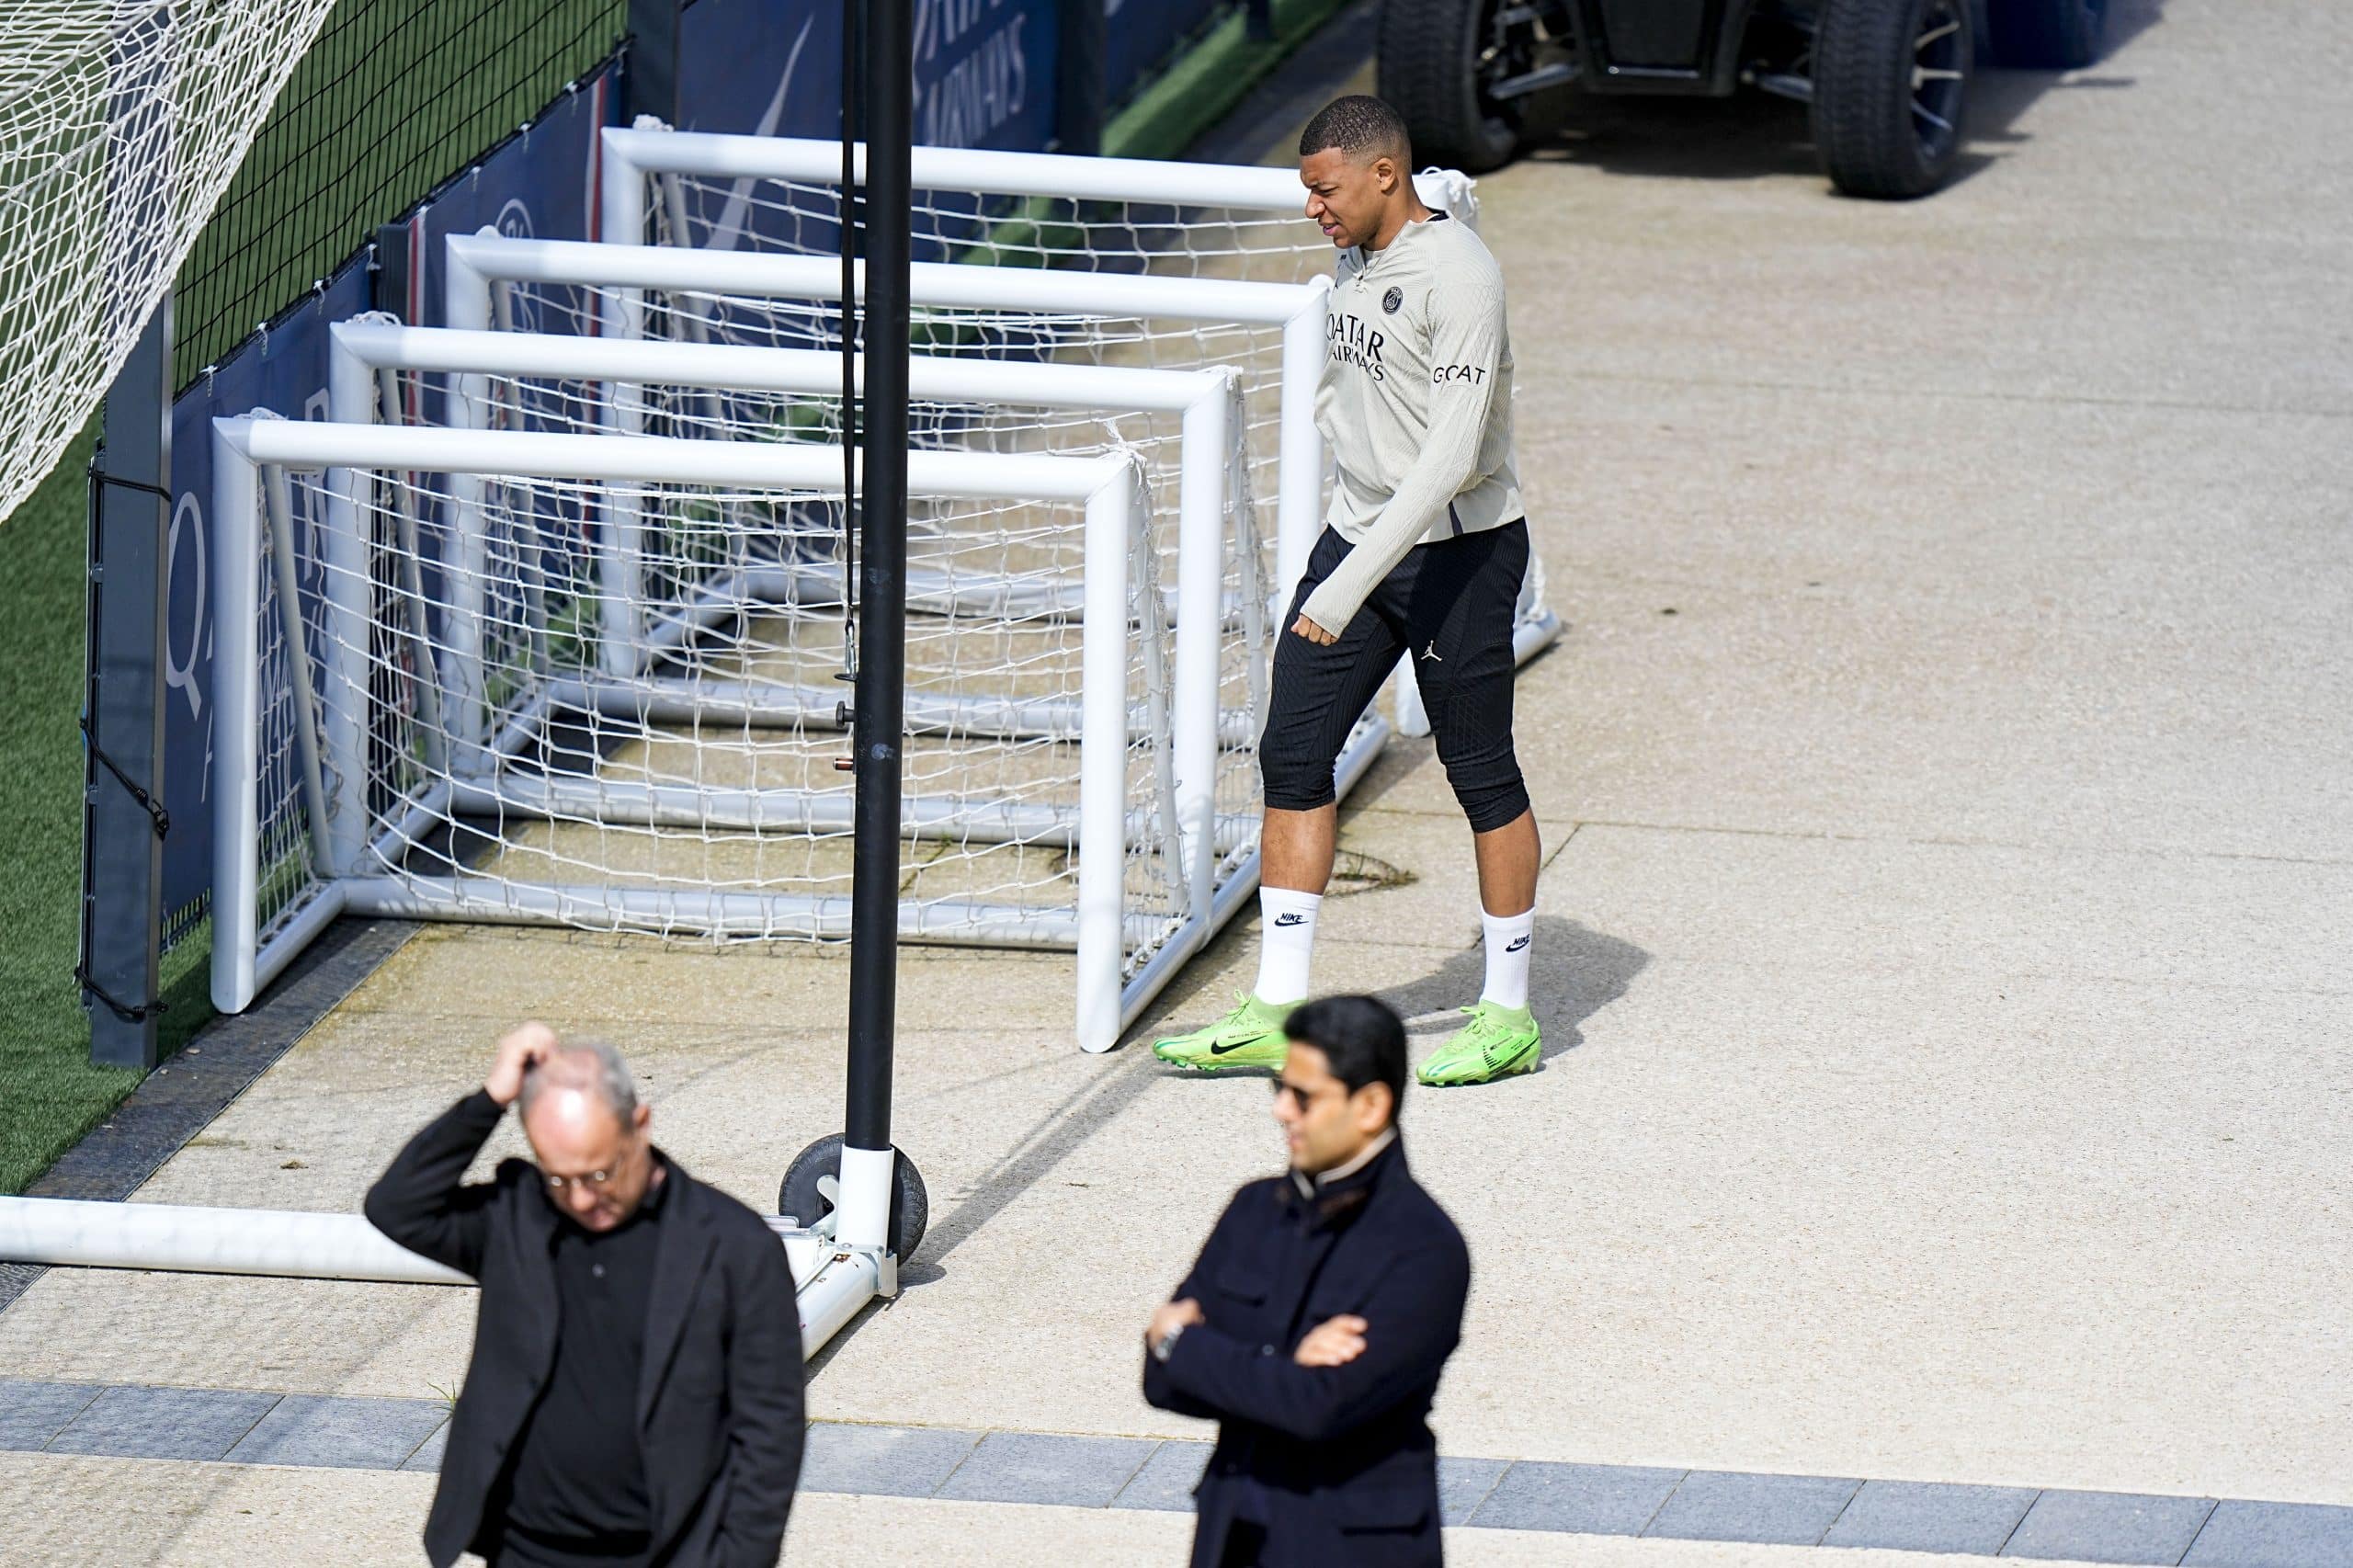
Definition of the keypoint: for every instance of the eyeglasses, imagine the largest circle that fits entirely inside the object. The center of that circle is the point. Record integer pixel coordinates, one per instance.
(1300, 1098)
(594, 1181)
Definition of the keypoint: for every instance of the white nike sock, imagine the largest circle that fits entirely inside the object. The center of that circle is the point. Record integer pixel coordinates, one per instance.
(1509, 939)
(1286, 938)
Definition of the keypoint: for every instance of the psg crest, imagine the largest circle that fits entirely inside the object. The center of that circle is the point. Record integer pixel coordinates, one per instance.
(1393, 300)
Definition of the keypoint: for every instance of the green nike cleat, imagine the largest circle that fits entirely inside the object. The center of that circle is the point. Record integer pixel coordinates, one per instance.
(1497, 1042)
(1250, 1036)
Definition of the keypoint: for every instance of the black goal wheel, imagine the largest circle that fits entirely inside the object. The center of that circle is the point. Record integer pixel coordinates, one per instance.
(1436, 60)
(1891, 83)
(910, 1205)
(2048, 35)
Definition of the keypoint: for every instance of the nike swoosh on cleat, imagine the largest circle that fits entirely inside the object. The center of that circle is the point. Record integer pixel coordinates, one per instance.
(1217, 1049)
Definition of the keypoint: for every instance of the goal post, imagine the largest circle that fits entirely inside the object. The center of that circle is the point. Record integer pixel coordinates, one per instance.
(564, 817)
(557, 383)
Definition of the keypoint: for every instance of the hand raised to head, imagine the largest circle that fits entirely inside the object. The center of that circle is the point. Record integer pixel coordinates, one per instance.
(518, 1049)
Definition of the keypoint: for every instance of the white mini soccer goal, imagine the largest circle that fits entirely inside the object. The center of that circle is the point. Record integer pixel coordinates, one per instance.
(1069, 216)
(383, 371)
(420, 715)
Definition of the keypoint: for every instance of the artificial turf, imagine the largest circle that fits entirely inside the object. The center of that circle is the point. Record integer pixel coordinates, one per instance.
(49, 1094)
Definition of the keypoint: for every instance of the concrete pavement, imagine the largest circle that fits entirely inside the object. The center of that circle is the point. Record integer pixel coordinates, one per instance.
(1946, 779)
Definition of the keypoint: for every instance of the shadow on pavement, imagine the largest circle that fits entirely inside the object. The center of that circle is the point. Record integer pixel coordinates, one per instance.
(1575, 971)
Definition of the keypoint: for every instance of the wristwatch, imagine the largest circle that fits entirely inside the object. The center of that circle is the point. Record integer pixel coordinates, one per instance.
(1166, 1344)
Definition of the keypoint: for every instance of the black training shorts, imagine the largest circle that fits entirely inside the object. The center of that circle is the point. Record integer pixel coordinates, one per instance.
(1451, 605)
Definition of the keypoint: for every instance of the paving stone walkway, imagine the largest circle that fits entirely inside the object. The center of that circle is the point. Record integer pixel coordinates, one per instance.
(242, 1426)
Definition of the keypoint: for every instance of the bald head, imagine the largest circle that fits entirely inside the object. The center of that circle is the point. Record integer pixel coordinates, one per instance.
(588, 1067)
(581, 1114)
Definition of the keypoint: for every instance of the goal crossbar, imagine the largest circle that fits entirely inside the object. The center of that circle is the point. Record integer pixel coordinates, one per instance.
(634, 153)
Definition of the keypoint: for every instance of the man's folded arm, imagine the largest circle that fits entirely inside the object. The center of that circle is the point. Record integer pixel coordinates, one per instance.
(419, 1201)
(1158, 1391)
(1414, 1320)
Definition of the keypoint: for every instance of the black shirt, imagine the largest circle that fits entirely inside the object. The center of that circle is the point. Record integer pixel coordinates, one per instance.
(577, 1490)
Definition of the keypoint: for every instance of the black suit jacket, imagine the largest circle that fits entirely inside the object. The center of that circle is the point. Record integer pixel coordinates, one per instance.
(1340, 1460)
(719, 1408)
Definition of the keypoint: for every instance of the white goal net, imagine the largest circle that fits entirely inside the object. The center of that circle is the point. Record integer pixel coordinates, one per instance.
(120, 125)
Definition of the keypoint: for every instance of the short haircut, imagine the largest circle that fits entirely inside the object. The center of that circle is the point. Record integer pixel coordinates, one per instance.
(1362, 1040)
(591, 1065)
(1361, 126)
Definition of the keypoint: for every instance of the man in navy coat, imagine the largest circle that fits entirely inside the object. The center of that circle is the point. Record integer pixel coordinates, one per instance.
(1317, 1320)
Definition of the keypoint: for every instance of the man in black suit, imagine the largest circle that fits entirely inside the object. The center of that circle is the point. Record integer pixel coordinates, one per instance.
(1317, 1320)
(635, 1393)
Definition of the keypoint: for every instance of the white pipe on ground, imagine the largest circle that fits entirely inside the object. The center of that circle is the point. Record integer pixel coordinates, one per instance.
(180, 1239)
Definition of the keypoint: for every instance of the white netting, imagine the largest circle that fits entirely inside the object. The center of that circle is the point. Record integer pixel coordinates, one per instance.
(519, 765)
(792, 218)
(121, 124)
(1248, 571)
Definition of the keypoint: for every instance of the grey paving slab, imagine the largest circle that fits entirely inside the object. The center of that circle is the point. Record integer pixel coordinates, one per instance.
(1787, 1510)
(1925, 1516)
(163, 1423)
(341, 1433)
(895, 1461)
(1464, 1483)
(1586, 1499)
(33, 1412)
(1041, 1466)
(2274, 1535)
(2109, 1527)
(428, 1457)
(1168, 1478)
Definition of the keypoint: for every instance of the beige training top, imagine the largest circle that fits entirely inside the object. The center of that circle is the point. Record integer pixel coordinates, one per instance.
(1415, 403)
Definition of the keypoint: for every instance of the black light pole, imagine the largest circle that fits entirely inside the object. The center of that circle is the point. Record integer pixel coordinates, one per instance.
(879, 713)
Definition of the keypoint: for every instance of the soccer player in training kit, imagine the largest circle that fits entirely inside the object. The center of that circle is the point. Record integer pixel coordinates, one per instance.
(1422, 554)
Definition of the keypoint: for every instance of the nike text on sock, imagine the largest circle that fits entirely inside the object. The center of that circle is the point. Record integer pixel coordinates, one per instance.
(1509, 941)
(1286, 940)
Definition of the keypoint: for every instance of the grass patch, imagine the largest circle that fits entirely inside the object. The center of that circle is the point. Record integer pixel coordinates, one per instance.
(49, 1095)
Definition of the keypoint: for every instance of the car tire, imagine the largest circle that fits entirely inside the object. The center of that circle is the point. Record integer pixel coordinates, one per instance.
(1891, 83)
(2048, 35)
(1428, 70)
